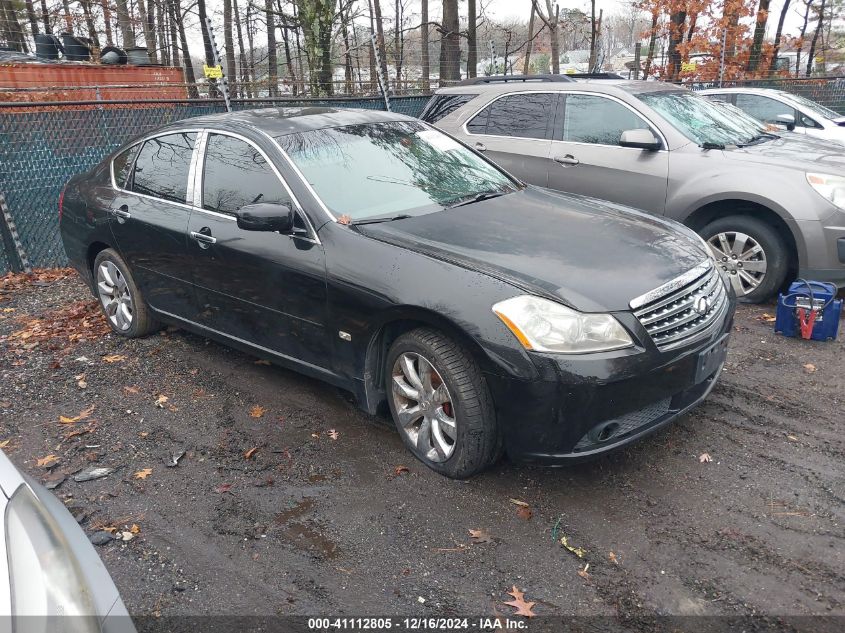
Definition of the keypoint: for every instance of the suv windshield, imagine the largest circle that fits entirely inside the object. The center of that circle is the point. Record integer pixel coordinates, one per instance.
(386, 170)
(704, 121)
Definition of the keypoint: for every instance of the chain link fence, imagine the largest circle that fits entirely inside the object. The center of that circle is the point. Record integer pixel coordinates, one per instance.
(43, 146)
(828, 91)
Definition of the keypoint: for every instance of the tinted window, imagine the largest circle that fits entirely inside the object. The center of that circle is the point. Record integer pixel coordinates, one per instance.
(589, 119)
(236, 174)
(762, 108)
(122, 164)
(440, 106)
(163, 165)
(521, 116)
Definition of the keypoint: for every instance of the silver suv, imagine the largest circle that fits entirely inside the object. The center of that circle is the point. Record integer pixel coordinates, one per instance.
(770, 206)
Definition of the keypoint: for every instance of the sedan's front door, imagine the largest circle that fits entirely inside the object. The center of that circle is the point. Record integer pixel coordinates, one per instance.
(263, 288)
(514, 131)
(149, 219)
(586, 157)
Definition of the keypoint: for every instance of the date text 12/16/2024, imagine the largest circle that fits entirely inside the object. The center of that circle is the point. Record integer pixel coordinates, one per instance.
(487, 623)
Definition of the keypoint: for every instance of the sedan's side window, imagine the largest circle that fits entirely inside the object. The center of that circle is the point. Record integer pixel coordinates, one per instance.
(122, 164)
(236, 174)
(520, 116)
(762, 108)
(597, 120)
(162, 167)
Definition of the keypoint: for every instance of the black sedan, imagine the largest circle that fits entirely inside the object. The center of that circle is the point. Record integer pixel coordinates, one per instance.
(371, 251)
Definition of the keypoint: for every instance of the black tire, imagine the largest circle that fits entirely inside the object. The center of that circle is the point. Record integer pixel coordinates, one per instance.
(142, 321)
(774, 248)
(478, 444)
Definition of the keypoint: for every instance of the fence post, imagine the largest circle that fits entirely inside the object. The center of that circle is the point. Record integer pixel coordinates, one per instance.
(224, 82)
(638, 48)
(382, 81)
(15, 253)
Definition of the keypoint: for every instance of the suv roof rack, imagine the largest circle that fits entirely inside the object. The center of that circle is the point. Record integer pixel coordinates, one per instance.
(495, 79)
(594, 76)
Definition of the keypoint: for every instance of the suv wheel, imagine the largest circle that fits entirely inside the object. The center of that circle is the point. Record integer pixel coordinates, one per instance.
(121, 300)
(441, 405)
(751, 253)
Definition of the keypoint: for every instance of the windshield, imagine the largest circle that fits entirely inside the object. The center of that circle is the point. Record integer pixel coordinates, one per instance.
(812, 106)
(704, 121)
(389, 169)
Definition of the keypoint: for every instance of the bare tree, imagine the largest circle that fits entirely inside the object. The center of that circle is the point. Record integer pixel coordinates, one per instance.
(149, 33)
(811, 54)
(425, 64)
(450, 43)
(472, 40)
(526, 66)
(759, 33)
(779, 33)
(124, 23)
(229, 44)
(552, 20)
(272, 61)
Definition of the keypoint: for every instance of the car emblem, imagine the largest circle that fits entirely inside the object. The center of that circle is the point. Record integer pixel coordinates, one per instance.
(701, 305)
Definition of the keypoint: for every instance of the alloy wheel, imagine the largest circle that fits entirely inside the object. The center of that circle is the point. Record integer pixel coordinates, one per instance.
(114, 295)
(742, 258)
(424, 407)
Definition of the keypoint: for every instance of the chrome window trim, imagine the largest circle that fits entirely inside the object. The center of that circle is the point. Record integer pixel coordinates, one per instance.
(671, 285)
(200, 173)
(492, 101)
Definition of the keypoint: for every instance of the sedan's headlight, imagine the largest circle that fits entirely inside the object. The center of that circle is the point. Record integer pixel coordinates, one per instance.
(547, 326)
(830, 187)
(45, 576)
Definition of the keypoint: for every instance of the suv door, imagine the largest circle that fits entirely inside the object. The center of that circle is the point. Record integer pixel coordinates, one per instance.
(149, 218)
(514, 130)
(587, 158)
(260, 287)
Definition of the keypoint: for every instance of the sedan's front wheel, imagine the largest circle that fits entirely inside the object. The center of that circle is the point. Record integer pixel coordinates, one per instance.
(121, 300)
(441, 404)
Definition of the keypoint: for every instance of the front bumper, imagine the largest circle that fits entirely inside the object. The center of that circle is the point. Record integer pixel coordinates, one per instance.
(581, 408)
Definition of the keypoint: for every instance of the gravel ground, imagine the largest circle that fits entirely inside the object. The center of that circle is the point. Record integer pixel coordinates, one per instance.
(289, 500)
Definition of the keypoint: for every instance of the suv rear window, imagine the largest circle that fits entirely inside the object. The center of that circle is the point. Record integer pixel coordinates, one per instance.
(440, 106)
(526, 115)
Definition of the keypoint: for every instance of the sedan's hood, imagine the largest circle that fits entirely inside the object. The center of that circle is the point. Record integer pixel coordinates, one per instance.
(593, 255)
(795, 150)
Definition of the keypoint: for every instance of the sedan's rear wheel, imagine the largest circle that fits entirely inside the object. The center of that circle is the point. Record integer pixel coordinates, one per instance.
(121, 300)
(750, 253)
(440, 404)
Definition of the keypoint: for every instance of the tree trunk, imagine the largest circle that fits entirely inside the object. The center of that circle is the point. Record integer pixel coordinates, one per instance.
(424, 60)
(246, 91)
(348, 71)
(759, 32)
(187, 63)
(202, 12)
(67, 16)
(593, 36)
(812, 52)
(676, 35)
(526, 66)
(380, 43)
(124, 23)
(286, 28)
(250, 39)
(14, 33)
(106, 19)
(45, 18)
(149, 33)
(803, 32)
(553, 24)
(450, 43)
(161, 26)
(89, 23)
(229, 43)
(655, 16)
(33, 21)
(778, 35)
(472, 40)
(174, 37)
(272, 61)
(373, 82)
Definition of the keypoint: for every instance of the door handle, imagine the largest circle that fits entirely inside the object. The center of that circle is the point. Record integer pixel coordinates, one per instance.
(203, 237)
(121, 213)
(481, 147)
(567, 160)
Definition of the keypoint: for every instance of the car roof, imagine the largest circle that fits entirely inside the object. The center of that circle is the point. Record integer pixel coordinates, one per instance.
(749, 89)
(606, 86)
(279, 121)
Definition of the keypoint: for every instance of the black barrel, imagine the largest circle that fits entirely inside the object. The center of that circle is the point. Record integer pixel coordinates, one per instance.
(47, 46)
(77, 49)
(138, 56)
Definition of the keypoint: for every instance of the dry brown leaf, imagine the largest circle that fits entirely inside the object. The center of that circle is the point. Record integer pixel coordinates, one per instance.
(401, 470)
(257, 411)
(480, 536)
(261, 361)
(705, 458)
(344, 219)
(114, 358)
(160, 400)
(583, 572)
(248, 454)
(524, 513)
(133, 389)
(612, 558)
(144, 473)
(223, 488)
(522, 607)
(792, 437)
(809, 368)
(135, 529)
(5, 443)
(81, 416)
(767, 318)
(46, 462)
(333, 434)
(519, 503)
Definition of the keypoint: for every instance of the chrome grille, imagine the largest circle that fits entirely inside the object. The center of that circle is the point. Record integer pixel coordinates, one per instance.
(670, 315)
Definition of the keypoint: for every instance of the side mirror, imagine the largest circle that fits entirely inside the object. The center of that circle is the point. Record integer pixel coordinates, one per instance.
(265, 217)
(640, 139)
(786, 119)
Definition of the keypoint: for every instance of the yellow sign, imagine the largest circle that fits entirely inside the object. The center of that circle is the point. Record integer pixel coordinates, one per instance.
(688, 67)
(212, 72)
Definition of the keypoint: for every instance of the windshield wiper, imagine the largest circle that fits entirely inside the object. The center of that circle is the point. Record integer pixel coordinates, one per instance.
(403, 216)
(758, 138)
(484, 195)
(709, 145)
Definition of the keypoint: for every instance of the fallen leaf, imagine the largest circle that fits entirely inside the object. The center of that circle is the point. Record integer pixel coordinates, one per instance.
(612, 558)
(480, 536)
(809, 368)
(143, 474)
(705, 458)
(257, 411)
(522, 607)
(81, 416)
(789, 437)
(583, 572)
(333, 434)
(5, 443)
(114, 358)
(143, 434)
(135, 529)
(82, 384)
(401, 470)
(578, 551)
(46, 462)
(223, 488)
(524, 513)
(261, 361)
(133, 389)
(767, 318)
(160, 400)
(344, 219)
(248, 454)
(316, 436)
(518, 502)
